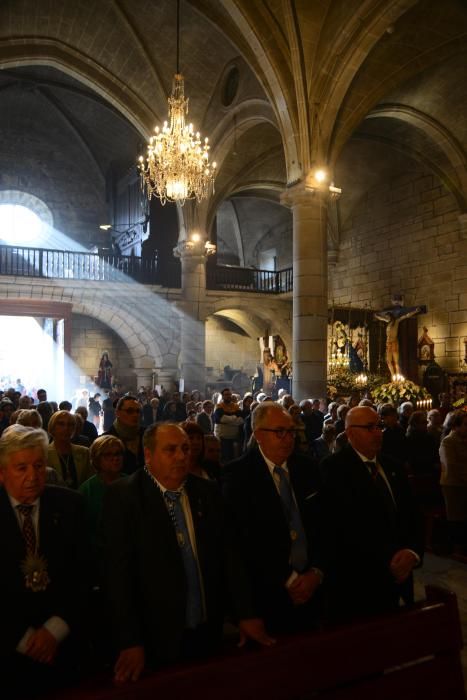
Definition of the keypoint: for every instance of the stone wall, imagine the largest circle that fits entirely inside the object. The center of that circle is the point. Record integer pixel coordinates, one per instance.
(89, 339)
(140, 326)
(50, 167)
(228, 344)
(407, 237)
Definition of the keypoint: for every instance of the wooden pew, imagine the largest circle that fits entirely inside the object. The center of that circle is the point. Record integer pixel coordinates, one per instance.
(413, 654)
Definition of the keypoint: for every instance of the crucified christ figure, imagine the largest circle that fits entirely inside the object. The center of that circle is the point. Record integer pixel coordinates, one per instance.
(392, 317)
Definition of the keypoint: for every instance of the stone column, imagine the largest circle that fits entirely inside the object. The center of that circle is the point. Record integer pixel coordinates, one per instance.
(192, 322)
(143, 378)
(166, 377)
(310, 289)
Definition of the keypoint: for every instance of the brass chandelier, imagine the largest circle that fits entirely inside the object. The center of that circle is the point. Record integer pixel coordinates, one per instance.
(177, 164)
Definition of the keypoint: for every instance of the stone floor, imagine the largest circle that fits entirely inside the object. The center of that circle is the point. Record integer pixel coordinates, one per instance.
(450, 574)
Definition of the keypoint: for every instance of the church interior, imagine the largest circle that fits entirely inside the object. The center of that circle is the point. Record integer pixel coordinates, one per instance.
(368, 96)
(339, 133)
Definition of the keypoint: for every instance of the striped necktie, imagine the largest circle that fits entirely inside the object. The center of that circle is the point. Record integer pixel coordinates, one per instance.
(28, 530)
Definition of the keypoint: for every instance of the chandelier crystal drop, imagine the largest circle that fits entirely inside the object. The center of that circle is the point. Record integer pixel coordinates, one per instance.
(177, 164)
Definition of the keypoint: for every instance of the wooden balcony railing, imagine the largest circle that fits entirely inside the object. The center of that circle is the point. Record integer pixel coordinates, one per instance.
(73, 265)
(20, 261)
(248, 279)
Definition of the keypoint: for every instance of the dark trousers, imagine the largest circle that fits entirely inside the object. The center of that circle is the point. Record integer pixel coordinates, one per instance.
(227, 450)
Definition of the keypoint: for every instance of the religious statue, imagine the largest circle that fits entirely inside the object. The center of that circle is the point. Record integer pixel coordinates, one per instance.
(274, 362)
(104, 374)
(270, 370)
(393, 317)
(425, 348)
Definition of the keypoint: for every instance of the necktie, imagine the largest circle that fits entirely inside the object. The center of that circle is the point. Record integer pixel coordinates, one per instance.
(383, 491)
(299, 548)
(194, 606)
(29, 533)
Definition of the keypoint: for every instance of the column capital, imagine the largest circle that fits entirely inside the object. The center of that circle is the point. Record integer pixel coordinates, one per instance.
(308, 189)
(199, 250)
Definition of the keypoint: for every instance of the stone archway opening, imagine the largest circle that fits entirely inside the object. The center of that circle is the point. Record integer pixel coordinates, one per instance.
(24, 218)
(232, 349)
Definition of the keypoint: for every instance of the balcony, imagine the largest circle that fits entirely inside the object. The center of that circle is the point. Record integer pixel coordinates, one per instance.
(20, 261)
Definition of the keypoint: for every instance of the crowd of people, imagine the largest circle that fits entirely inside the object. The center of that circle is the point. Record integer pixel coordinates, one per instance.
(129, 539)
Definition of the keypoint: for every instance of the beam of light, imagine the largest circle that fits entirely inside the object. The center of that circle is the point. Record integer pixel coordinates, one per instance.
(19, 225)
(157, 317)
(29, 353)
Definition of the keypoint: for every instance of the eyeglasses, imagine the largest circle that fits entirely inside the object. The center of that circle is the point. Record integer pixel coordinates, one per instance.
(130, 411)
(281, 432)
(370, 426)
(112, 454)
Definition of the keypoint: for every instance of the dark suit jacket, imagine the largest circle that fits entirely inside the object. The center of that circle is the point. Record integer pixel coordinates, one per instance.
(62, 542)
(148, 415)
(205, 422)
(145, 580)
(362, 538)
(263, 533)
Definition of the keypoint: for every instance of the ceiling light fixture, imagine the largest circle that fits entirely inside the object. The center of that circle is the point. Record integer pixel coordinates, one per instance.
(177, 164)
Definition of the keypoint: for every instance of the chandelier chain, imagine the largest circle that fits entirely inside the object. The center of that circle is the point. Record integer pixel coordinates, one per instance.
(177, 164)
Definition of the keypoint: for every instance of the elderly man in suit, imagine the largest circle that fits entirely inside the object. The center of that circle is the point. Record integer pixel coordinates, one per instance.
(168, 557)
(44, 564)
(374, 531)
(274, 498)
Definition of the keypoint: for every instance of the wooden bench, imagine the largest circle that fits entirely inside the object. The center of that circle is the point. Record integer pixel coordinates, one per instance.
(413, 654)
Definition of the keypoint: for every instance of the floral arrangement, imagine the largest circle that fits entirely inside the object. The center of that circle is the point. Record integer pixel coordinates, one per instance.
(397, 392)
(343, 382)
(460, 404)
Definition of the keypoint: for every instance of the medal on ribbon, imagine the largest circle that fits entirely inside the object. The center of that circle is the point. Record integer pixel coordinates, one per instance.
(36, 576)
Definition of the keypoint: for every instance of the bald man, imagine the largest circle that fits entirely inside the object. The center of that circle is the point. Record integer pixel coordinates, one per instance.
(375, 536)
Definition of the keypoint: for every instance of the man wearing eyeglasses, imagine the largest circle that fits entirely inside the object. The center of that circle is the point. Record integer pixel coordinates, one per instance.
(127, 427)
(373, 530)
(274, 498)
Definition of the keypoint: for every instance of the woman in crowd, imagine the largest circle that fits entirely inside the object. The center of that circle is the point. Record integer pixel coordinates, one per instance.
(198, 465)
(46, 410)
(302, 446)
(95, 409)
(169, 412)
(421, 446)
(72, 462)
(106, 454)
(453, 454)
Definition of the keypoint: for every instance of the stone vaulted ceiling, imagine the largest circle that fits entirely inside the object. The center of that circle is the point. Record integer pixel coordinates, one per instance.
(369, 87)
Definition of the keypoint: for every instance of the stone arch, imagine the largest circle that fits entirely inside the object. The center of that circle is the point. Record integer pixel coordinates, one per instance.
(437, 133)
(235, 223)
(122, 319)
(29, 201)
(141, 343)
(352, 46)
(344, 123)
(239, 310)
(269, 76)
(18, 52)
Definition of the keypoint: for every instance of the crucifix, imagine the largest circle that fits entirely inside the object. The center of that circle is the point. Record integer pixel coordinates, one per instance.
(393, 317)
